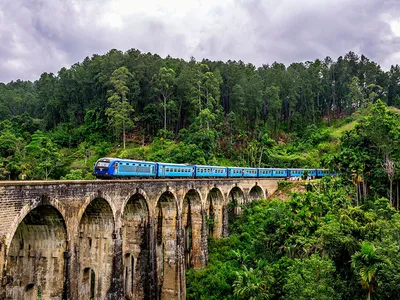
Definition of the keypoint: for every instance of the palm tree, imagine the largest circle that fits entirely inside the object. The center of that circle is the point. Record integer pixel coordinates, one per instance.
(367, 264)
(252, 284)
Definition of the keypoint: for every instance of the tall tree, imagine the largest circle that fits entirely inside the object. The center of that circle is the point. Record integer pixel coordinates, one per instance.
(120, 110)
(367, 263)
(164, 85)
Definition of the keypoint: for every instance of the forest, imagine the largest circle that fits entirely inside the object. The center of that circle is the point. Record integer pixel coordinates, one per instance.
(142, 106)
(338, 239)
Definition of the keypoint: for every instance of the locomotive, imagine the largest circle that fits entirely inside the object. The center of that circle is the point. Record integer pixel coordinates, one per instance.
(119, 168)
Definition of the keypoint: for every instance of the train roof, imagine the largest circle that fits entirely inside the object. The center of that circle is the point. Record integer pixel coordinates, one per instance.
(204, 166)
(127, 159)
(272, 168)
(242, 168)
(172, 164)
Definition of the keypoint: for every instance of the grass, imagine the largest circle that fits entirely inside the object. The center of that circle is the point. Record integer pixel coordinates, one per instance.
(338, 132)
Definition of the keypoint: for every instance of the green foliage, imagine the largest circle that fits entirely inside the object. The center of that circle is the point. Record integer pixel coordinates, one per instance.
(77, 175)
(120, 110)
(311, 278)
(305, 248)
(44, 156)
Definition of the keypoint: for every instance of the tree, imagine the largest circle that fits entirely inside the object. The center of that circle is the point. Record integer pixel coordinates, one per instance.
(252, 284)
(389, 166)
(120, 110)
(43, 154)
(367, 264)
(164, 83)
(311, 278)
(356, 95)
(274, 106)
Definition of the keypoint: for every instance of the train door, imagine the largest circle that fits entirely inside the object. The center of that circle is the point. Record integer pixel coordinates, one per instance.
(116, 168)
(162, 171)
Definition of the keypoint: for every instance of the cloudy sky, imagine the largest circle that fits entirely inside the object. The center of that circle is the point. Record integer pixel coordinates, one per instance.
(39, 36)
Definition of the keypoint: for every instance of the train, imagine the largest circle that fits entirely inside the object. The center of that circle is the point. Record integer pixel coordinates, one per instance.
(119, 168)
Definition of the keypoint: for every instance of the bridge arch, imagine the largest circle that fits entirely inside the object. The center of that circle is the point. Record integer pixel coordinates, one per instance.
(235, 199)
(35, 259)
(192, 224)
(138, 192)
(214, 212)
(89, 201)
(96, 246)
(26, 209)
(136, 246)
(236, 196)
(166, 235)
(256, 193)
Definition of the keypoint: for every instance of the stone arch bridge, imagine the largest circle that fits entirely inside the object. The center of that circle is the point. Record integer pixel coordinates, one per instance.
(114, 239)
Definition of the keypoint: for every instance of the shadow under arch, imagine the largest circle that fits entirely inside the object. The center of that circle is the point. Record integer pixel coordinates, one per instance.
(166, 245)
(35, 262)
(193, 229)
(214, 212)
(96, 245)
(235, 200)
(136, 247)
(256, 193)
(41, 201)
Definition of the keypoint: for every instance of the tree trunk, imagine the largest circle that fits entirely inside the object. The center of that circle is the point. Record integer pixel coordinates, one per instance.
(165, 113)
(364, 188)
(357, 193)
(397, 188)
(329, 115)
(123, 133)
(259, 161)
(390, 196)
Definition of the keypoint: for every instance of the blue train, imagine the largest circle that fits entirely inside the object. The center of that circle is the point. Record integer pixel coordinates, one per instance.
(108, 168)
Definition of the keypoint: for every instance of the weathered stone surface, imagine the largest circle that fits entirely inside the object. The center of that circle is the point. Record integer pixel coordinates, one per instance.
(112, 239)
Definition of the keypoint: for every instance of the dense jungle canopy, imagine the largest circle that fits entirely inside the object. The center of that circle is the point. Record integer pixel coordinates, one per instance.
(230, 113)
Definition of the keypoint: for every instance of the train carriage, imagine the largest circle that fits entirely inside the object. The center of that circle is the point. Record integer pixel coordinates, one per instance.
(265, 172)
(323, 172)
(175, 170)
(278, 173)
(300, 172)
(250, 172)
(124, 168)
(235, 172)
(210, 171)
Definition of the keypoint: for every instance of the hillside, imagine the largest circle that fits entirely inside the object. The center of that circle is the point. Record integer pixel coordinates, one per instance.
(139, 105)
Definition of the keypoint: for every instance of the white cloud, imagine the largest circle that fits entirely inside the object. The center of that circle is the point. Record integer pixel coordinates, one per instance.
(42, 36)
